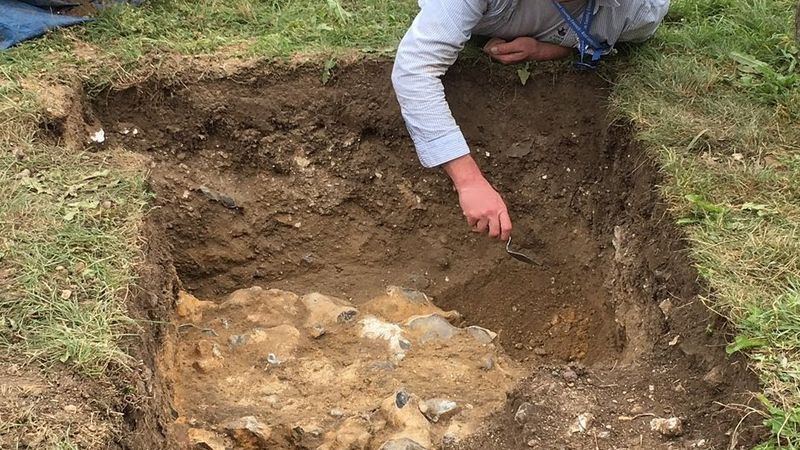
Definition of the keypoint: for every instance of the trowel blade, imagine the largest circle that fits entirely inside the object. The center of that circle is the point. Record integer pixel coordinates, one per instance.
(519, 256)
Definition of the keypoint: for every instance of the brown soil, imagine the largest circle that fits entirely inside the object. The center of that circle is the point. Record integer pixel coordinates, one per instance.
(270, 178)
(35, 408)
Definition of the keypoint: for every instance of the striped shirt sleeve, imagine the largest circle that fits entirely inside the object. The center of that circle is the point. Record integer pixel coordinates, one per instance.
(429, 48)
(643, 21)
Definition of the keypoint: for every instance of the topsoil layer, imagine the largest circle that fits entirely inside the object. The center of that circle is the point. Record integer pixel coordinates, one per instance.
(271, 178)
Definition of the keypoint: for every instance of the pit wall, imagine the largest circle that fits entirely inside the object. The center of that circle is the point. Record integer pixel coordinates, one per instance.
(626, 283)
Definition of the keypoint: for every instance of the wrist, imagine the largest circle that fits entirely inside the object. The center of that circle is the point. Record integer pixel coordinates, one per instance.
(464, 172)
(535, 53)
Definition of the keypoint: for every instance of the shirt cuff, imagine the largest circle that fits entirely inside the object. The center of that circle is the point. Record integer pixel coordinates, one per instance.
(443, 149)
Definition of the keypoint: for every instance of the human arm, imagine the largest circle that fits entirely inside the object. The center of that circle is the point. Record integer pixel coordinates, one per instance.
(428, 49)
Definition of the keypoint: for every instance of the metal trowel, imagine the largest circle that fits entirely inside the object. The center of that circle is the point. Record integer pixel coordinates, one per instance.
(520, 256)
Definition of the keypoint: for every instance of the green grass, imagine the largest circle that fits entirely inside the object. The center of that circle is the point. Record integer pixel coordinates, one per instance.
(69, 226)
(65, 445)
(716, 95)
(123, 41)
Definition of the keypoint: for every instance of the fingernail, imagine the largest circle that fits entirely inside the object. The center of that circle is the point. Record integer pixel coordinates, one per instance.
(494, 50)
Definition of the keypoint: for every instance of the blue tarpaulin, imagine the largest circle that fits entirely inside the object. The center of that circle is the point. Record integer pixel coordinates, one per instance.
(20, 21)
(49, 3)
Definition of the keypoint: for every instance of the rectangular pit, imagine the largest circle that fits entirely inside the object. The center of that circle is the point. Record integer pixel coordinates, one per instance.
(269, 178)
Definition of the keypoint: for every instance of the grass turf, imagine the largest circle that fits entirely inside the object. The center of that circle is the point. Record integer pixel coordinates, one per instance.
(69, 223)
(716, 96)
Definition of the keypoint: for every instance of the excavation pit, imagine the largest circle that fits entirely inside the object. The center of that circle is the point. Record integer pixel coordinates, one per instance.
(269, 178)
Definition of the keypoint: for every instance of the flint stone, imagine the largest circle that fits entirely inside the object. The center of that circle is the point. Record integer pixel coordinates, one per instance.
(374, 328)
(401, 399)
(480, 334)
(317, 331)
(401, 444)
(582, 423)
(432, 327)
(237, 340)
(436, 408)
(666, 308)
(413, 295)
(346, 316)
(671, 427)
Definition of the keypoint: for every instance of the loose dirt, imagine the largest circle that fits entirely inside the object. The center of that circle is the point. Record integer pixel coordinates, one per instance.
(270, 178)
(36, 408)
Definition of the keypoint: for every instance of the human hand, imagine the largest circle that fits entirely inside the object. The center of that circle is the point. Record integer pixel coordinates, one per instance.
(483, 207)
(485, 210)
(491, 43)
(519, 50)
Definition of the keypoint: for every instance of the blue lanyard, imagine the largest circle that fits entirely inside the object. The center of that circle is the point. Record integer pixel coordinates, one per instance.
(582, 29)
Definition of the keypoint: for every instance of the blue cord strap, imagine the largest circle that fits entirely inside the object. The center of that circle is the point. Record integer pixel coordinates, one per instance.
(585, 38)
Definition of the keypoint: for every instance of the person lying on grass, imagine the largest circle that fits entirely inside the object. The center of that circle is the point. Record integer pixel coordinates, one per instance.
(518, 31)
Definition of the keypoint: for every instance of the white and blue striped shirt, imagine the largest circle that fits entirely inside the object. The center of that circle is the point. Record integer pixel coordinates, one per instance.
(442, 28)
